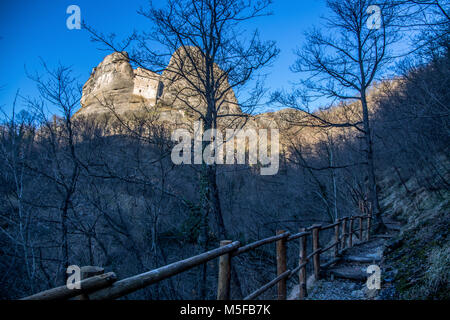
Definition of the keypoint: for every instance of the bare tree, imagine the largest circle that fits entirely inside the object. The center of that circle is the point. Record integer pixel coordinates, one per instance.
(341, 64)
(207, 59)
(17, 136)
(58, 89)
(210, 62)
(427, 22)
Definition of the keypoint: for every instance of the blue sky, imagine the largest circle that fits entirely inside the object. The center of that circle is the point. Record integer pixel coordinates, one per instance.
(35, 29)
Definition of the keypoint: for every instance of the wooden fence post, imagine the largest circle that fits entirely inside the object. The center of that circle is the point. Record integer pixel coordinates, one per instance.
(316, 257)
(336, 237)
(360, 229)
(350, 231)
(88, 272)
(281, 265)
(302, 273)
(368, 226)
(344, 233)
(223, 285)
(369, 213)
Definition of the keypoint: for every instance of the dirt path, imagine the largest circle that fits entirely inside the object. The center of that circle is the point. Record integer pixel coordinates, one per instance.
(346, 280)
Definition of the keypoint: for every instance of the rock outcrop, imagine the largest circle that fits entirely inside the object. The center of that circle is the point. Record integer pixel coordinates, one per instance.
(114, 86)
(181, 81)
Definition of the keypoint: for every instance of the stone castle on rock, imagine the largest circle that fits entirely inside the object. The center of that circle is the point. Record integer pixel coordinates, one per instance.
(114, 86)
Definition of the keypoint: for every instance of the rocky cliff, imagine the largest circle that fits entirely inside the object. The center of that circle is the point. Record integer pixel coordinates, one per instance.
(114, 86)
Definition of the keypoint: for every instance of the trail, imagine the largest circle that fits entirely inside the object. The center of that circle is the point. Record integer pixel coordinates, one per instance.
(346, 279)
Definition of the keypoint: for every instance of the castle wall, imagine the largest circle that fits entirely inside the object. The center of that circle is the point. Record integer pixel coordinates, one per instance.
(146, 84)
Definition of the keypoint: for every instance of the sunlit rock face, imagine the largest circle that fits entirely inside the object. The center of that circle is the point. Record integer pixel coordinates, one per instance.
(174, 100)
(115, 86)
(184, 84)
(147, 85)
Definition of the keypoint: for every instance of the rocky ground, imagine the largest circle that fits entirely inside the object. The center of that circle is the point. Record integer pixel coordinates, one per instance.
(346, 280)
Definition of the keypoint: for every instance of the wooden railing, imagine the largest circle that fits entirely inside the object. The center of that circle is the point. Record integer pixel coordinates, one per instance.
(97, 286)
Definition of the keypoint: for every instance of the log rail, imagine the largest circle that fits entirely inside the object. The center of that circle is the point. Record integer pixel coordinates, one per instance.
(106, 286)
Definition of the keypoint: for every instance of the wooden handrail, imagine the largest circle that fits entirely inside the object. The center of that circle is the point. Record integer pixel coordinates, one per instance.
(106, 287)
(329, 226)
(86, 286)
(294, 271)
(314, 226)
(308, 257)
(267, 286)
(259, 243)
(329, 247)
(329, 263)
(298, 235)
(131, 284)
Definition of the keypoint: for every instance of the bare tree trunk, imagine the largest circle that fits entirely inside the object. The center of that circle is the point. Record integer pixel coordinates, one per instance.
(65, 244)
(204, 226)
(214, 200)
(333, 175)
(373, 192)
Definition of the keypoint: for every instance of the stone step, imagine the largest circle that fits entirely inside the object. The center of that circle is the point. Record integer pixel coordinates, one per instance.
(349, 273)
(370, 258)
